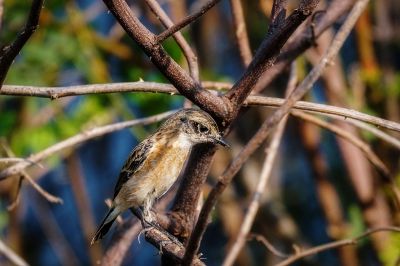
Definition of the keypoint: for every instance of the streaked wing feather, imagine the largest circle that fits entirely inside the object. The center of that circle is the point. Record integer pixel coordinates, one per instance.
(133, 163)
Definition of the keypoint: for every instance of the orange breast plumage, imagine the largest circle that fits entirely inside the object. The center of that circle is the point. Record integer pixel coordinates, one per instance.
(160, 170)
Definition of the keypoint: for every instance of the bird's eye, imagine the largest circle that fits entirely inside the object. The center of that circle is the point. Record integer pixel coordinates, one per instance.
(201, 128)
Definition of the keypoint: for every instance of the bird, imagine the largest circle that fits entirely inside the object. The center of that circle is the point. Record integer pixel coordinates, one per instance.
(154, 165)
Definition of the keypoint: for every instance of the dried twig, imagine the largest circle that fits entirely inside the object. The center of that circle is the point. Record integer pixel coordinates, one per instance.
(267, 245)
(242, 38)
(303, 40)
(49, 197)
(140, 86)
(77, 139)
(8, 53)
(58, 92)
(190, 56)
(364, 147)
(254, 205)
(11, 255)
(268, 52)
(327, 110)
(335, 244)
(265, 129)
(15, 201)
(186, 21)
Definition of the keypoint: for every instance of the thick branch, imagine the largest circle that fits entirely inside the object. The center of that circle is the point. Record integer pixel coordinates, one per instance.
(265, 129)
(268, 52)
(252, 208)
(303, 40)
(8, 53)
(186, 85)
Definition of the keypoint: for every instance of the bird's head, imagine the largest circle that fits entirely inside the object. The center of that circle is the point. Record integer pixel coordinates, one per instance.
(196, 125)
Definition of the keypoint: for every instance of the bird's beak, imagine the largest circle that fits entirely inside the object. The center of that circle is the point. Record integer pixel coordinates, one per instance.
(219, 140)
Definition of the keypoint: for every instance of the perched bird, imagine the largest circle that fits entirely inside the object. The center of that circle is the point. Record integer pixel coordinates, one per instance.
(154, 165)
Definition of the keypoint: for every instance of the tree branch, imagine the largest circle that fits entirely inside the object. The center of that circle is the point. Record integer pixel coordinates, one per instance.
(265, 129)
(242, 38)
(186, 21)
(345, 242)
(11, 255)
(190, 56)
(187, 86)
(77, 139)
(303, 40)
(8, 53)
(268, 52)
(152, 87)
(364, 147)
(252, 209)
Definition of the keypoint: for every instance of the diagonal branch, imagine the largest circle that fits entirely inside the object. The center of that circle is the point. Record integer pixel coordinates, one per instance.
(8, 53)
(254, 205)
(268, 52)
(190, 56)
(242, 38)
(339, 243)
(75, 140)
(265, 129)
(11, 255)
(303, 40)
(152, 87)
(187, 86)
(186, 21)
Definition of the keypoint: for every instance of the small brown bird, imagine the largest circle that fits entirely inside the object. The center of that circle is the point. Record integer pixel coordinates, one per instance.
(154, 165)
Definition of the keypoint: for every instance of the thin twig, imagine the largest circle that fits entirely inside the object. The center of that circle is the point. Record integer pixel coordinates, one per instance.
(186, 21)
(190, 56)
(375, 131)
(152, 87)
(66, 91)
(77, 139)
(268, 51)
(15, 201)
(11, 255)
(252, 209)
(268, 245)
(242, 39)
(364, 147)
(265, 129)
(49, 197)
(8, 53)
(326, 109)
(335, 244)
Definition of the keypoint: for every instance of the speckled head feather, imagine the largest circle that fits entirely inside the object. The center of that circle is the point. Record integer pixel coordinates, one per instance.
(196, 124)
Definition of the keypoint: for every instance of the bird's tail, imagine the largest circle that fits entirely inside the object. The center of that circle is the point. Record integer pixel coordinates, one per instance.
(105, 225)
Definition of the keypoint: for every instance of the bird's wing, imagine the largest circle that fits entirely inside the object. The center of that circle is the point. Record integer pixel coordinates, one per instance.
(134, 163)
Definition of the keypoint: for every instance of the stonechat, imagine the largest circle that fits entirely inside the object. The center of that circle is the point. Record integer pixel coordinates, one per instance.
(154, 165)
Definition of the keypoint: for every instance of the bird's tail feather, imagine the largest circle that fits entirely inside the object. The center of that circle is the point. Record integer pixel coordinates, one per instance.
(105, 225)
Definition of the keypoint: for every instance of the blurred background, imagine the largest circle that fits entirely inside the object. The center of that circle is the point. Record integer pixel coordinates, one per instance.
(322, 188)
